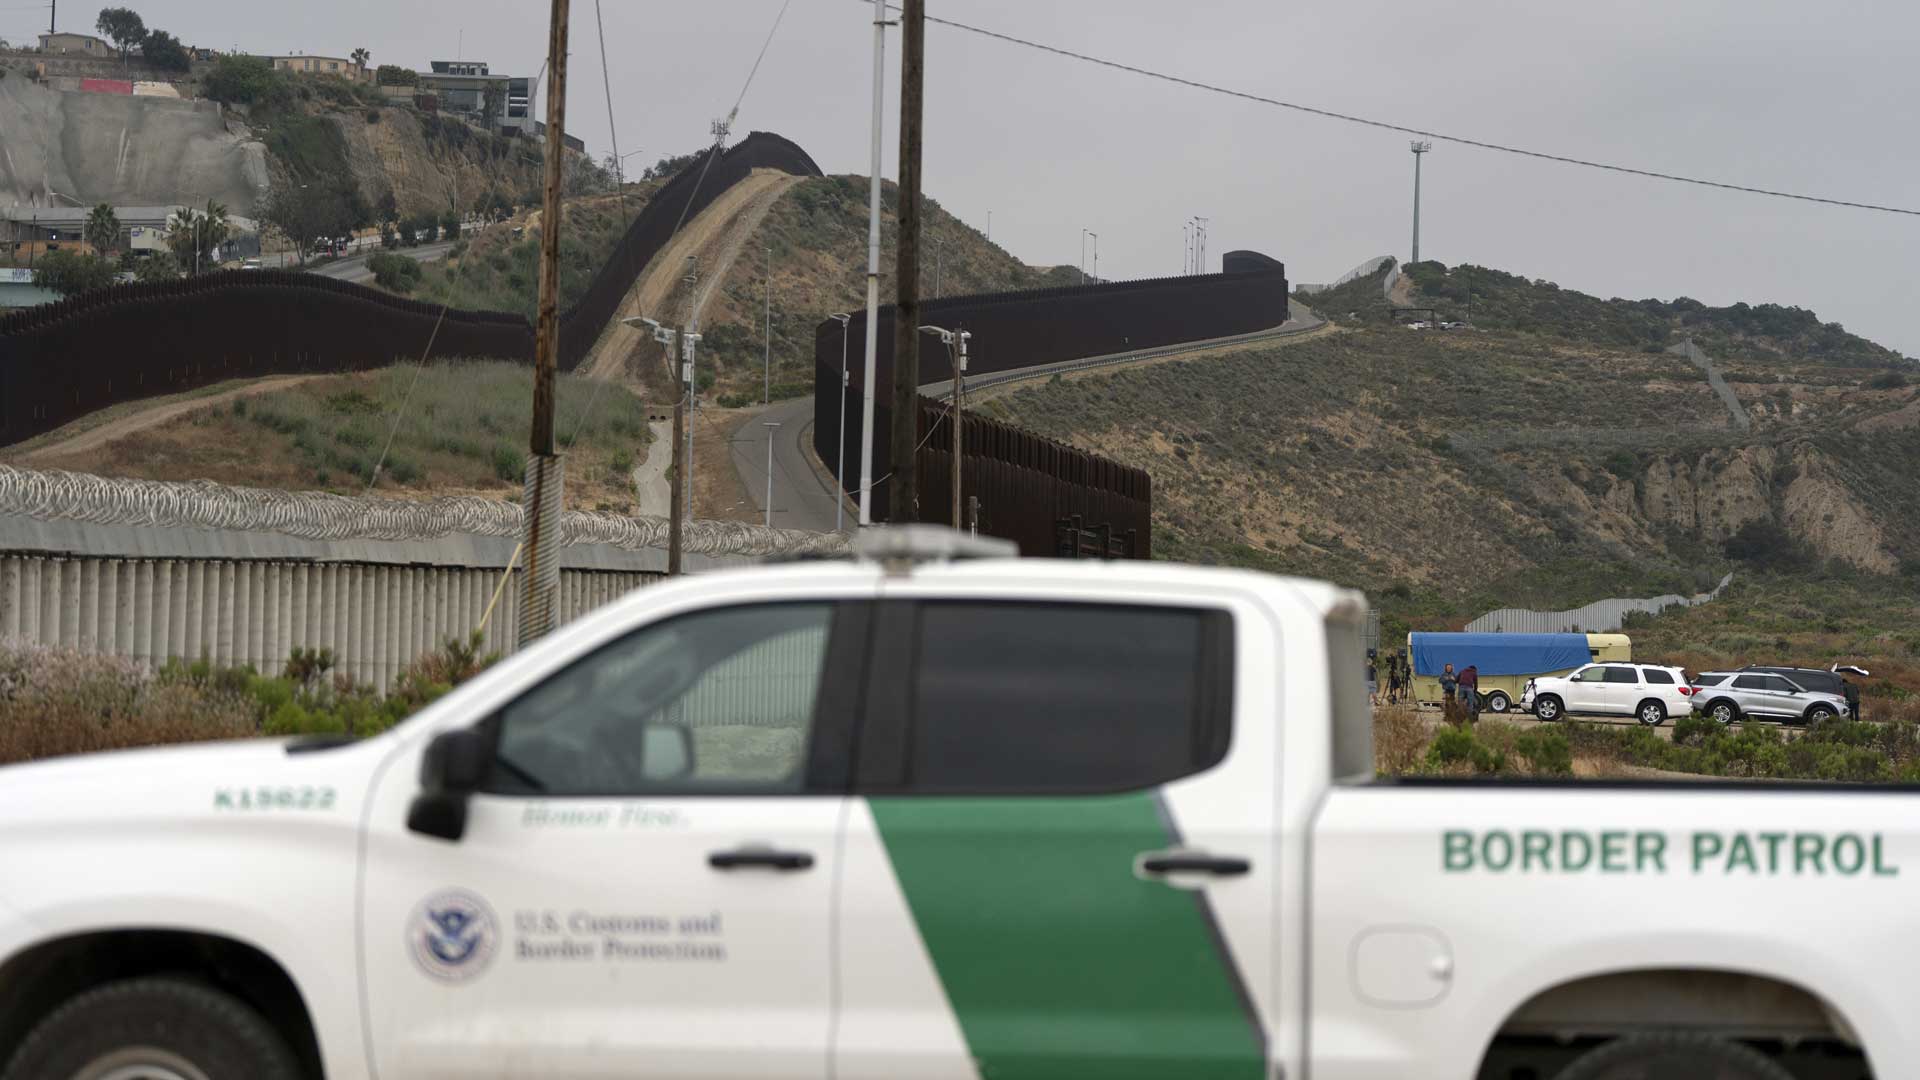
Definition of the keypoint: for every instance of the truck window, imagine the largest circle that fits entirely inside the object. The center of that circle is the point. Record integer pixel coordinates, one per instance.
(1657, 677)
(1753, 682)
(1013, 698)
(1623, 675)
(1352, 713)
(723, 701)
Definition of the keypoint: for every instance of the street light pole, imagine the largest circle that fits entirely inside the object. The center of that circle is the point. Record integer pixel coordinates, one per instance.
(840, 455)
(1419, 148)
(873, 264)
(766, 347)
(1096, 255)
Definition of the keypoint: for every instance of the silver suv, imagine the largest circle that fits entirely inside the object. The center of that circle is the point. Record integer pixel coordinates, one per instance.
(1727, 696)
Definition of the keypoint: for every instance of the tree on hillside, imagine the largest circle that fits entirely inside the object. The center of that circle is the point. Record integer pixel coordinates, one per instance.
(123, 27)
(102, 230)
(246, 80)
(667, 166)
(360, 57)
(395, 75)
(327, 206)
(193, 234)
(164, 51)
(69, 272)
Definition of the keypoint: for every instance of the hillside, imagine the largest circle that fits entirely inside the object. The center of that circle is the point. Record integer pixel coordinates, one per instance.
(817, 232)
(1762, 336)
(1452, 473)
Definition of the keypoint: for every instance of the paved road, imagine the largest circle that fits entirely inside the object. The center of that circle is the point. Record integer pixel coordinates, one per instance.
(802, 501)
(354, 267)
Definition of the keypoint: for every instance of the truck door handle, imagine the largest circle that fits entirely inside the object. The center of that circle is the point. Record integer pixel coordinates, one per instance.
(1217, 865)
(767, 857)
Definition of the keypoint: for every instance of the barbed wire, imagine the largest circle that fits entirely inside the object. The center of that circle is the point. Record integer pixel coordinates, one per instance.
(318, 515)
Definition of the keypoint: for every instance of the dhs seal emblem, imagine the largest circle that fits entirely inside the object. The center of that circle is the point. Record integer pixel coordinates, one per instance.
(453, 935)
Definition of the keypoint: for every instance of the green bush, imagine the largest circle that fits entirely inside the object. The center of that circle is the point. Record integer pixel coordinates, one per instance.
(395, 273)
(247, 80)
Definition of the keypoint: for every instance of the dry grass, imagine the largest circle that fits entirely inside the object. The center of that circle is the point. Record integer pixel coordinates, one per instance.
(54, 703)
(1400, 738)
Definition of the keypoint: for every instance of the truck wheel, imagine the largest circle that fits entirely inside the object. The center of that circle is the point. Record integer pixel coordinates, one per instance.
(1677, 1053)
(1547, 708)
(153, 1029)
(1498, 702)
(1723, 712)
(1817, 715)
(1652, 713)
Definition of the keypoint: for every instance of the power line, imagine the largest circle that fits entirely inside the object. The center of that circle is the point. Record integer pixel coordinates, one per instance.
(1404, 129)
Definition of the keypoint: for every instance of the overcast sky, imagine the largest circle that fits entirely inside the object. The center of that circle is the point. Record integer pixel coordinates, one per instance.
(1756, 92)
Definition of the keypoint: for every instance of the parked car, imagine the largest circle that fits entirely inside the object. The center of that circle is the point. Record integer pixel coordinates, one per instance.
(250, 264)
(1821, 680)
(1727, 696)
(1646, 692)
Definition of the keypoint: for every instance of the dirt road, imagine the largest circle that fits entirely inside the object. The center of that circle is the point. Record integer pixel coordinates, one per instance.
(147, 416)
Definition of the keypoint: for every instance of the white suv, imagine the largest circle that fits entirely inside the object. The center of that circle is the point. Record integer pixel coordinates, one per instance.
(1648, 693)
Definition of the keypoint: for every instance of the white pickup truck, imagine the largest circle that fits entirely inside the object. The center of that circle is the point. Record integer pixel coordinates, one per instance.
(925, 815)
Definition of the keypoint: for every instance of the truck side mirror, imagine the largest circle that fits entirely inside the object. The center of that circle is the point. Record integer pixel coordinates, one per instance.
(451, 770)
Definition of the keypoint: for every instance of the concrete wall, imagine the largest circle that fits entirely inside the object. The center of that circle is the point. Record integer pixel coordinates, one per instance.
(375, 618)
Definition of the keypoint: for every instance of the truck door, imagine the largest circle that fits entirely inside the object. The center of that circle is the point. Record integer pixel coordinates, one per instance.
(643, 887)
(1066, 862)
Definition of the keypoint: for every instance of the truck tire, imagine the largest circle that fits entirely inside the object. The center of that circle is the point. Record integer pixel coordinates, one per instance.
(1652, 712)
(1548, 708)
(1498, 701)
(1818, 715)
(1675, 1053)
(1723, 712)
(158, 1028)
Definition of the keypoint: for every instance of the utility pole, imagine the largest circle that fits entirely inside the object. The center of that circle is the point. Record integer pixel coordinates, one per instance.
(53, 16)
(873, 264)
(542, 503)
(766, 348)
(1096, 256)
(773, 432)
(676, 501)
(1419, 148)
(905, 492)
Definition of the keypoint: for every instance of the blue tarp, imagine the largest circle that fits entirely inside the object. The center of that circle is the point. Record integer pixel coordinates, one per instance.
(1499, 654)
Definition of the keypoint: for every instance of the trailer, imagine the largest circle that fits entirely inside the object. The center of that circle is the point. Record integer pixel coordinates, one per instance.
(1506, 661)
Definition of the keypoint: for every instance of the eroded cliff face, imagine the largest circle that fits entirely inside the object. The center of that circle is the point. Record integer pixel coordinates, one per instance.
(431, 175)
(1715, 493)
(1712, 493)
(1818, 509)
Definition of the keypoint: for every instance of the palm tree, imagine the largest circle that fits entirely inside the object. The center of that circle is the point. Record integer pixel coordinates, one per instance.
(360, 58)
(102, 230)
(194, 234)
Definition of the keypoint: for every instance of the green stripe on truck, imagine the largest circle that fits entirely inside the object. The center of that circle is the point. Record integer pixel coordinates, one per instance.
(1059, 962)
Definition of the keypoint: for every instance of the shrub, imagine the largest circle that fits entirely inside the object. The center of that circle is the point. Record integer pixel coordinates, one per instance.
(247, 80)
(373, 116)
(508, 464)
(1887, 380)
(396, 273)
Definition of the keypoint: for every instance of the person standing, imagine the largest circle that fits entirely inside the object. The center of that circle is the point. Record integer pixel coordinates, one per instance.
(1470, 692)
(1396, 682)
(1449, 685)
(1373, 683)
